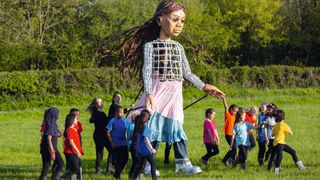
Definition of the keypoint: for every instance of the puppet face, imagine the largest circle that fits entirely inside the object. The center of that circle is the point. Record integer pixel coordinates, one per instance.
(171, 24)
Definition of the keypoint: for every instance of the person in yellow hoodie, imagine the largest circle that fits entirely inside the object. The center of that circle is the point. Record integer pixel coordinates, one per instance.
(280, 131)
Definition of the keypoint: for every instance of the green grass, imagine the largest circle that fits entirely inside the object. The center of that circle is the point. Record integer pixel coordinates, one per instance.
(20, 137)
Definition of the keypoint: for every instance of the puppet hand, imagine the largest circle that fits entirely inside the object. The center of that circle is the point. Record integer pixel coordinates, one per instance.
(213, 91)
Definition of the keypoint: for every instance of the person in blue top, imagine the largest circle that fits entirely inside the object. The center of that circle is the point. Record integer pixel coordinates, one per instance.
(116, 132)
(144, 150)
(261, 133)
(241, 137)
(270, 123)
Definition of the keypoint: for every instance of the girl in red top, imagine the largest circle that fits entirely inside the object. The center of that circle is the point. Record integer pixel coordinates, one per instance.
(79, 128)
(72, 146)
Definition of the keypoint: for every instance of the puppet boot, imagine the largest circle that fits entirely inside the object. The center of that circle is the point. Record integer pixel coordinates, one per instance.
(187, 168)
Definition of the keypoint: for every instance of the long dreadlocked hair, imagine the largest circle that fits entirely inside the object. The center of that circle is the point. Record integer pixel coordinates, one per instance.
(135, 38)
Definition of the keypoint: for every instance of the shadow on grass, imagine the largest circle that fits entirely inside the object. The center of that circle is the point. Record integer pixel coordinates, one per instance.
(19, 172)
(166, 171)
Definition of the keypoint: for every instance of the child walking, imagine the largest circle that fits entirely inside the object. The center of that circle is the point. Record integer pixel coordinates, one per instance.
(79, 128)
(116, 101)
(132, 142)
(48, 147)
(100, 121)
(72, 147)
(229, 121)
(280, 131)
(241, 138)
(261, 138)
(144, 150)
(116, 132)
(251, 118)
(270, 123)
(210, 136)
(164, 65)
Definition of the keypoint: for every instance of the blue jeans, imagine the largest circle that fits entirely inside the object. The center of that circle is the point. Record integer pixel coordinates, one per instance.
(180, 149)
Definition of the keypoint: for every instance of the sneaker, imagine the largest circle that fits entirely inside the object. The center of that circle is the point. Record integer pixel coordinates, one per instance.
(147, 170)
(111, 169)
(300, 166)
(226, 162)
(277, 171)
(204, 162)
(98, 172)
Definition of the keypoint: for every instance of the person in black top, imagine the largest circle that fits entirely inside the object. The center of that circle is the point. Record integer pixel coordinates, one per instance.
(116, 100)
(100, 120)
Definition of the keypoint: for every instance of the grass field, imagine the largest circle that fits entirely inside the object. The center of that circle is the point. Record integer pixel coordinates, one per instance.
(20, 137)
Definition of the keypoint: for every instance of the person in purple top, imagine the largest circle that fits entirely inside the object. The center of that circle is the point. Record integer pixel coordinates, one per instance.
(116, 132)
(49, 145)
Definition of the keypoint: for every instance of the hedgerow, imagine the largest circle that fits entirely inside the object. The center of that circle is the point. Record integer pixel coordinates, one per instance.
(22, 90)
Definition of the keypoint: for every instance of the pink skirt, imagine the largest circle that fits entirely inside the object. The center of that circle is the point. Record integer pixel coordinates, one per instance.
(168, 101)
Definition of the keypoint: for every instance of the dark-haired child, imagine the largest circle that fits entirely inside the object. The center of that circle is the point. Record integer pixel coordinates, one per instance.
(251, 118)
(48, 147)
(43, 126)
(100, 120)
(210, 136)
(72, 147)
(116, 132)
(132, 142)
(241, 137)
(270, 123)
(261, 138)
(79, 128)
(116, 101)
(144, 150)
(229, 121)
(280, 131)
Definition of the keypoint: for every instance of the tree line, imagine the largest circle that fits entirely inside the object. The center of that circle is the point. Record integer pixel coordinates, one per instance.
(76, 34)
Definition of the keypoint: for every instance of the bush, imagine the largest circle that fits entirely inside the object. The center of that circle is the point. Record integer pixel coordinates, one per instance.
(21, 90)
